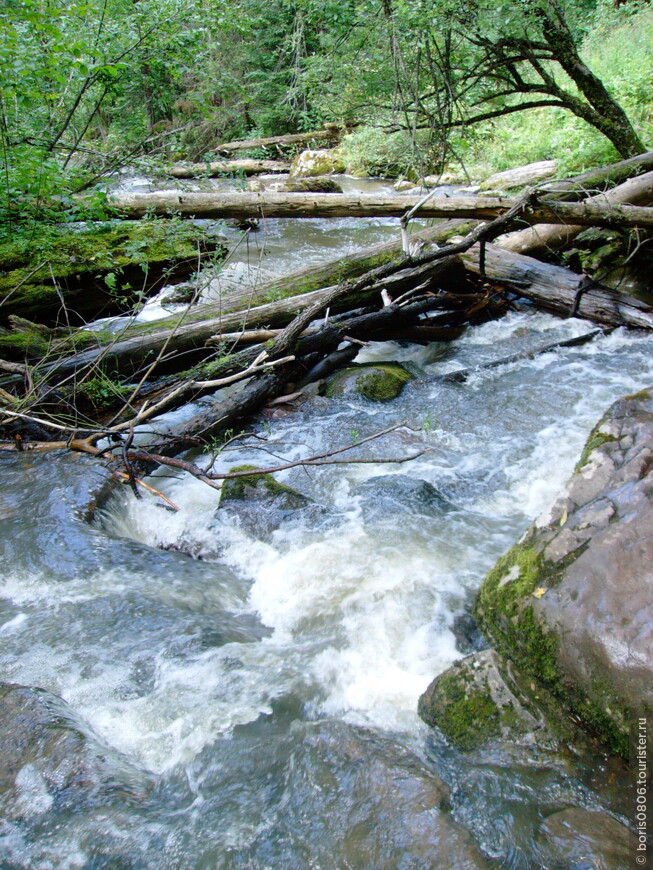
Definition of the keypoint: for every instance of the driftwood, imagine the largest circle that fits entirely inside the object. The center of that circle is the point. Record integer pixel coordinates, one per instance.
(559, 290)
(597, 211)
(130, 352)
(331, 133)
(597, 180)
(224, 167)
(542, 237)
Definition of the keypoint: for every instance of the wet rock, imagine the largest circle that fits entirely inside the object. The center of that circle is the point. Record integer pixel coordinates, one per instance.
(467, 633)
(391, 495)
(50, 760)
(377, 382)
(320, 162)
(578, 839)
(312, 185)
(478, 699)
(572, 603)
(403, 185)
(262, 504)
(396, 811)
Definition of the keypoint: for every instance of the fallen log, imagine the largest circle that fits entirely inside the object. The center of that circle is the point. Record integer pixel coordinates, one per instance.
(128, 353)
(559, 290)
(330, 133)
(597, 211)
(550, 235)
(226, 167)
(596, 180)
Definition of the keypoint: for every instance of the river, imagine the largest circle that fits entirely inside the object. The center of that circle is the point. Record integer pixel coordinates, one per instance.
(254, 689)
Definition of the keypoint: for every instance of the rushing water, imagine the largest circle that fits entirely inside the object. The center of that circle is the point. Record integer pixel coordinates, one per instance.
(262, 690)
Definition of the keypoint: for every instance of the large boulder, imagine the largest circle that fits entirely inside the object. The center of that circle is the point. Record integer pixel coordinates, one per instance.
(320, 162)
(572, 603)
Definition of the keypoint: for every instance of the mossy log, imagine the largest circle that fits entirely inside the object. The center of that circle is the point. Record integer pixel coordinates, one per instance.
(177, 336)
(597, 180)
(226, 167)
(597, 211)
(77, 275)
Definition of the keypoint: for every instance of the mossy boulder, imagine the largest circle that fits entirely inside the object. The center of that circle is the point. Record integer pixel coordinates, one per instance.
(97, 270)
(319, 162)
(571, 605)
(262, 505)
(478, 699)
(377, 382)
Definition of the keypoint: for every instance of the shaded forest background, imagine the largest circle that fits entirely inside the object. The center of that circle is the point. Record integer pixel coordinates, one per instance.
(87, 89)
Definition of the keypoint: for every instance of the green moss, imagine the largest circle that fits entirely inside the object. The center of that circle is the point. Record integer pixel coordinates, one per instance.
(237, 488)
(381, 386)
(110, 257)
(467, 717)
(596, 439)
(505, 612)
(377, 382)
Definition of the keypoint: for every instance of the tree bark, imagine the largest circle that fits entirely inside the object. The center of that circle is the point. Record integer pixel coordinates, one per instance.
(143, 344)
(602, 110)
(593, 212)
(559, 290)
(596, 180)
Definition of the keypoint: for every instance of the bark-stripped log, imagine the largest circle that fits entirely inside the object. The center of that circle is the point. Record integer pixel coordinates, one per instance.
(596, 180)
(597, 211)
(542, 237)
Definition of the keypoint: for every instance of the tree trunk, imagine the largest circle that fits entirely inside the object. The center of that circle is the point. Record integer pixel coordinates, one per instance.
(603, 112)
(142, 344)
(596, 180)
(559, 290)
(297, 205)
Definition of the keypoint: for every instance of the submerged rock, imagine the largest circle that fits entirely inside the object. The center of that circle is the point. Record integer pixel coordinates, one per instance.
(572, 603)
(377, 382)
(479, 699)
(391, 495)
(320, 162)
(49, 759)
(396, 814)
(312, 185)
(262, 504)
(578, 839)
